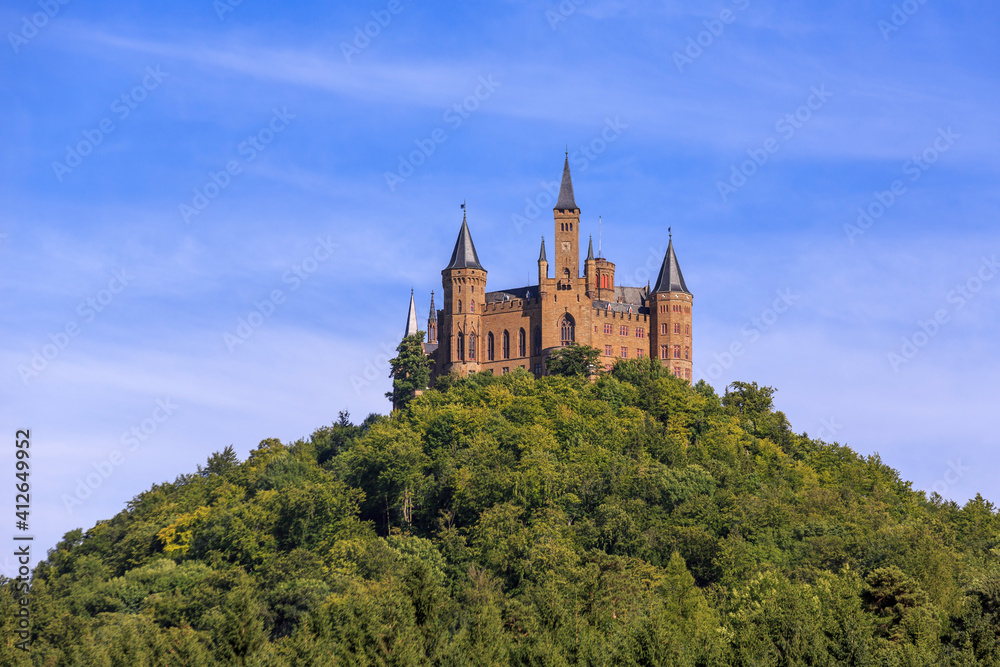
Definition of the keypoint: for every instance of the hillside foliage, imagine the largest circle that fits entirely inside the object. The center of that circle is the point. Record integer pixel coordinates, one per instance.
(634, 520)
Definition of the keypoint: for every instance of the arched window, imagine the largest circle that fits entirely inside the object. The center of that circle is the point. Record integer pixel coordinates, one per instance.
(604, 281)
(538, 340)
(567, 330)
(472, 346)
(522, 345)
(489, 346)
(460, 349)
(506, 345)
(459, 305)
(566, 274)
(472, 306)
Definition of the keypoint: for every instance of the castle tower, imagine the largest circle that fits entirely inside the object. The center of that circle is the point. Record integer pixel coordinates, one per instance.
(432, 323)
(670, 317)
(567, 220)
(543, 265)
(464, 281)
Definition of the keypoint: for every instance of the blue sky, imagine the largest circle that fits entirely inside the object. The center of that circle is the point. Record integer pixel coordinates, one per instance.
(168, 170)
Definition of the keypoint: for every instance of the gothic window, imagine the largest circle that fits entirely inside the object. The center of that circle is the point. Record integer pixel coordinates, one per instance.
(663, 328)
(538, 340)
(677, 351)
(687, 329)
(489, 346)
(567, 330)
(663, 352)
(472, 346)
(506, 345)
(608, 327)
(687, 352)
(624, 352)
(472, 306)
(459, 305)
(622, 330)
(640, 332)
(677, 327)
(640, 353)
(677, 371)
(538, 369)
(607, 350)
(604, 281)
(522, 346)
(460, 351)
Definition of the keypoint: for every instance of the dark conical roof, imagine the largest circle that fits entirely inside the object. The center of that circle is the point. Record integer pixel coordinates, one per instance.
(541, 254)
(566, 200)
(590, 249)
(433, 311)
(464, 255)
(670, 279)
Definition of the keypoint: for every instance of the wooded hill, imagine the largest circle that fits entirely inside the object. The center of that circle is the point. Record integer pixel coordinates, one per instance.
(635, 520)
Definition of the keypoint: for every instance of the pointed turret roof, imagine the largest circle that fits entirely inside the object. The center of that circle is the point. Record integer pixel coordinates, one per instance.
(433, 311)
(670, 279)
(411, 318)
(464, 255)
(566, 200)
(541, 254)
(590, 249)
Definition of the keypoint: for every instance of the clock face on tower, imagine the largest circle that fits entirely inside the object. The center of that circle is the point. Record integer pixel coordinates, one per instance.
(565, 246)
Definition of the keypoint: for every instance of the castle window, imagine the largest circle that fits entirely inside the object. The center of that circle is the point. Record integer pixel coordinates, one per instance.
(622, 330)
(663, 328)
(522, 344)
(677, 351)
(677, 327)
(472, 306)
(677, 371)
(538, 369)
(624, 352)
(567, 330)
(608, 327)
(506, 370)
(605, 284)
(607, 351)
(663, 307)
(687, 352)
(506, 345)
(640, 332)
(664, 350)
(687, 375)
(459, 305)
(640, 353)
(571, 226)
(489, 346)
(687, 329)
(538, 340)
(472, 346)
(460, 347)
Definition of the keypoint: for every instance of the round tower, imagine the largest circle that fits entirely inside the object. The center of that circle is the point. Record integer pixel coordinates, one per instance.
(460, 344)
(670, 304)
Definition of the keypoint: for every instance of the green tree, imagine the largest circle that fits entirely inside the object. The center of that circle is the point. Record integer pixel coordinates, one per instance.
(410, 370)
(574, 361)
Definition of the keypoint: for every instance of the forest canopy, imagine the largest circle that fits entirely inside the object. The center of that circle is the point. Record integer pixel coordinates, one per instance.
(633, 520)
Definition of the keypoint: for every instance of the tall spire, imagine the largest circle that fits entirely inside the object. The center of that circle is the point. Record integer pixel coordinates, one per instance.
(566, 200)
(464, 255)
(590, 249)
(433, 311)
(411, 318)
(670, 279)
(541, 255)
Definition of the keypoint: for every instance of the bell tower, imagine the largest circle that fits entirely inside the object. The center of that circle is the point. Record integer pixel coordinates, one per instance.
(567, 219)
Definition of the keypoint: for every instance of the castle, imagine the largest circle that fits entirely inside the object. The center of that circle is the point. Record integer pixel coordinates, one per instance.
(499, 331)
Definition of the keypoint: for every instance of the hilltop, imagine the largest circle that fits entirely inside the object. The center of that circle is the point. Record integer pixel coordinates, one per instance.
(635, 520)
